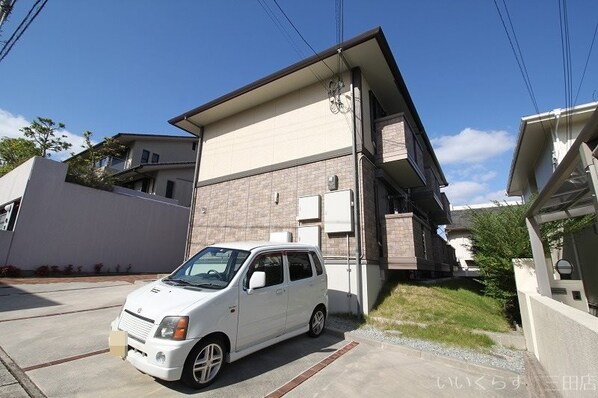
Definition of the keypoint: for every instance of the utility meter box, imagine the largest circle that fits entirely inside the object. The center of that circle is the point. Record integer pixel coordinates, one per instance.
(338, 212)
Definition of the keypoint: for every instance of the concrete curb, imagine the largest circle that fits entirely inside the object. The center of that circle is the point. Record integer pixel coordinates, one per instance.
(24, 381)
(413, 352)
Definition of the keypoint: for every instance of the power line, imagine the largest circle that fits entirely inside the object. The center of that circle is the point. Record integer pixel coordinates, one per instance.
(29, 18)
(300, 35)
(586, 65)
(280, 27)
(517, 53)
(566, 55)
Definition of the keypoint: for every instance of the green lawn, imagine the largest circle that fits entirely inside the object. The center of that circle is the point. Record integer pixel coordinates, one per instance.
(446, 312)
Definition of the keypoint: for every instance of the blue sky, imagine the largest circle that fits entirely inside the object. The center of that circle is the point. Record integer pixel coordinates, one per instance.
(129, 66)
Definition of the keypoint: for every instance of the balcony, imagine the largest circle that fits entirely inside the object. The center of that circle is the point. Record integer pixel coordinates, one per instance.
(398, 151)
(112, 164)
(443, 216)
(444, 254)
(408, 243)
(428, 198)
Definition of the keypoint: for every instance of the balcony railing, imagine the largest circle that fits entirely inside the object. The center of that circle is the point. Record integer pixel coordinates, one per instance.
(398, 151)
(112, 163)
(409, 244)
(429, 198)
(407, 241)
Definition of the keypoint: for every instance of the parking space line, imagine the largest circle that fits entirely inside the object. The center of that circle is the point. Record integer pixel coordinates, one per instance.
(60, 313)
(66, 290)
(285, 389)
(64, 360)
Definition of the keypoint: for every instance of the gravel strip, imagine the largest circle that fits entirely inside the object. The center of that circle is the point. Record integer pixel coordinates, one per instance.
(499, 357)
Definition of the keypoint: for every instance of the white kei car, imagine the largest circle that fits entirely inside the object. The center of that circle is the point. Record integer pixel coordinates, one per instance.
(226, 302)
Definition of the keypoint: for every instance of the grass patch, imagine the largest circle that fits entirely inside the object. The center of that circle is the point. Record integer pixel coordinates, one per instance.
(445, 312)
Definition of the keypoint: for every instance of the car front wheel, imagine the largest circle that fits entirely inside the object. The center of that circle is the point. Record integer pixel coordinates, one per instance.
(204, 363)
(317, 322)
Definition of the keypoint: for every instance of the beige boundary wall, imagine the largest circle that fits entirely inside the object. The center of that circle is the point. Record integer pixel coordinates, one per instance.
(564, 339)
(61, 223)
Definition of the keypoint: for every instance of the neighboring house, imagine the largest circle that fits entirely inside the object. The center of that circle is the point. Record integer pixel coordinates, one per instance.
(555, 160)
(160, 165)
(458, 234)
(339, 160)
(47, 221)
(544, 142)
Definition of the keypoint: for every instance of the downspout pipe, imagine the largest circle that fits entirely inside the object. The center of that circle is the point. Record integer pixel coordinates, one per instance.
(194, 194)
(356, 200)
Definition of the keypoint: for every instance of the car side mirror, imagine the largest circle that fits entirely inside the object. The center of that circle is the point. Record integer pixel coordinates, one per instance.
(258, 279)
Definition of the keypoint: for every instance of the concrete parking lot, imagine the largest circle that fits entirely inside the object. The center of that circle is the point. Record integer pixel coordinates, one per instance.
(54, 340)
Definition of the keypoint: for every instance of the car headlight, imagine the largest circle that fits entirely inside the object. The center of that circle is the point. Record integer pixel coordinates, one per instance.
(173, 328)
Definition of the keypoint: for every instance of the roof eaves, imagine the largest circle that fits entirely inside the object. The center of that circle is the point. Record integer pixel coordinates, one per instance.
(277, 75)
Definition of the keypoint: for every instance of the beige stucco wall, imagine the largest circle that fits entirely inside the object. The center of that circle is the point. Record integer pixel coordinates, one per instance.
(60, 223)
(295, 126)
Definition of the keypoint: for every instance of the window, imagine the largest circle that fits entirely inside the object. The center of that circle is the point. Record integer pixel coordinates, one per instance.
(194, 146)
(145, 156)
(271, 264)
(317, 263)
(8, 216)
(299, 266)
(155, 158)
(145, 185)
(169, 189)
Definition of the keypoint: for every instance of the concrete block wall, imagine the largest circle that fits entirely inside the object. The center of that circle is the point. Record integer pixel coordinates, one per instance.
(563, 339)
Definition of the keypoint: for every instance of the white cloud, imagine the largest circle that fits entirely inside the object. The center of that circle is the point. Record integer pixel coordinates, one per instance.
(472, 146)
(10, 126)
(462, 193)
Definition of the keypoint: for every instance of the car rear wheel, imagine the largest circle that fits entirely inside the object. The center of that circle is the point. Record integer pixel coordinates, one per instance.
(204, 363)
(317, 322)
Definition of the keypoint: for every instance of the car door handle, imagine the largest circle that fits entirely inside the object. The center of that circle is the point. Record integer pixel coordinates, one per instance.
(279, 291)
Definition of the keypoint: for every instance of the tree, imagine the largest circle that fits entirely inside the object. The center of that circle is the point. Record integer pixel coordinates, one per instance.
(499, 235)
(83, 168)
(14, 151)
(42, 133)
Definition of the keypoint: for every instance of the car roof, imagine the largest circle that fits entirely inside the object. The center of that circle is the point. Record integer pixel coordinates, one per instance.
(253, 245)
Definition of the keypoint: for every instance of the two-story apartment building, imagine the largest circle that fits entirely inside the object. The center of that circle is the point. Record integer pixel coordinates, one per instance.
(334, 157)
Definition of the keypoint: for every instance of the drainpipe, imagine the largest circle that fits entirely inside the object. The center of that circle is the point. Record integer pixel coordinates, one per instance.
(356, 201)
(555, 140)
(193, 194)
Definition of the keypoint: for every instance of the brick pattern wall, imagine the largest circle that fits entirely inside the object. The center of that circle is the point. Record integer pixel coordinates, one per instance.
(369, 236)
(399, 230)
(244, 209)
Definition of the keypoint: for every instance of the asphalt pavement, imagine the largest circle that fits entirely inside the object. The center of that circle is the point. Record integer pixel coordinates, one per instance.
(53, 339)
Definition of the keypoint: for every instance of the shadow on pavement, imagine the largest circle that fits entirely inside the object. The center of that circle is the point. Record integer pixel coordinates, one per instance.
(265, 361)
(13, 298)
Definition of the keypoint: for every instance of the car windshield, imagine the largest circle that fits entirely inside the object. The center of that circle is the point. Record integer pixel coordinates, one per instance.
(213, 268)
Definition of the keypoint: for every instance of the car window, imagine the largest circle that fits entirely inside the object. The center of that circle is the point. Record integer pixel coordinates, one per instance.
(271, 264)
(212, 267)
(316, 259)
(299, 265)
